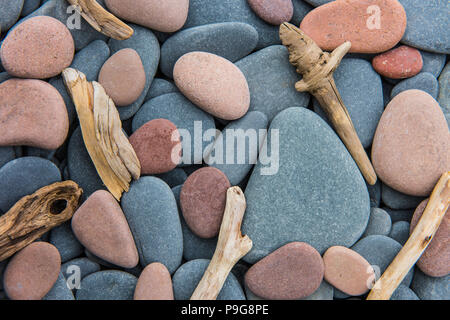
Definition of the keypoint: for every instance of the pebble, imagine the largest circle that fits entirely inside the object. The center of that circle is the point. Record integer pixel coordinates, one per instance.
(154, 283)
(107, 285)
(32, 272)
(213, 83)
(152, 214)
(273, 12)
(40, 47)
(280, 206)
(58, 84)
(379, 251)
(405, 158)
(230, 40)
(271, 80)
(243, 157)
(101, 227)
(301, 9)
(37, 108)
(160, 87)
(79, 267)
(435, 261)
(404, 293)
(431, 288)
(9, 13)
(333, 23)
(379, 223)
(123, 77)
(6, 154)
(157, 145)
(347, 270)
(4, 76)
(186, 117)
(291, 272)
(400, 232)
(169, 16)
(174, 177)
(24, 176)
(397, 200)
(361, 90)
(60, 290)
(426, 29)
(433, 62)
(424, 81)
(444, 89)
(374, 194)
(399, 215)
(65, 241)
(90, 59)
(202, 201)
(187, 277)
(399, 63)
(29, 6)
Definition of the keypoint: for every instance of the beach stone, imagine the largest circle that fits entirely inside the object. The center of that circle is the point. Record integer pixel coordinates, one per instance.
(144, 42)
(398, 63)
(397, 200)
(230, 40)
(379, 223)
(32, 272)
(273, 12)
(168, 16)
(4, 76)
(84, 266)
(444, 89)
(123, 77)
(271, 80)
(374, 194)
(91, 58)
(331, 24)
(186, 117)
(6, 154)
(291, 272)
(173, 178)
(425, 29)
(317, 3)
(29, 6)
(154, 283)
(37, 108)
(24, 176)
(58, 84)
(433, 62)
(435, 261)
(40, 47)
(404, 293)
(157, 145)
(107, 285)
(379, 251)
(59, 291)
(248, 128)
(9, 13)
(301, 9)
(160, 87)
(280, 204)
(187, 277)
(399, 215)
(424, 81)
(213, 83)
(202, 201)
(347, 270)
(406, 159)
(431, 288)
(101, 227)
(400, 232)
(361, 90)
(65, 241)
(152, 215)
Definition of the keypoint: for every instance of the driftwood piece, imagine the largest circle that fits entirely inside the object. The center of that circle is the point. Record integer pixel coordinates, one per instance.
(111, 152)
(317, 68)
(231, 246)
(101, 20)
(36, 214)
(418, 241)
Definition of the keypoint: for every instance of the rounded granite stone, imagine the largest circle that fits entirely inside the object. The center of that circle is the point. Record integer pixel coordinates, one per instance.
(154, 283)
(273, 11)
(9, 13)
(40, 47)
(431, 288)
(399, 63)
(107, 285)
(379, 223)
(424, 81)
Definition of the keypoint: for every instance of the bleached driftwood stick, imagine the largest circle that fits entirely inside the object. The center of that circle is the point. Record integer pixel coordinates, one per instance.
(231, 246)
(418, 241)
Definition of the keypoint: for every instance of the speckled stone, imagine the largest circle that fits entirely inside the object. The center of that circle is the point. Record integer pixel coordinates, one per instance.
(37, 109)
(435, 261)
(431, 288)
(273, 12)
(433, 62)
(85, 266)
(9, 13)
(444, 89)
(333, 23)
(107, 285)
(230, 40)
(397, 200)
(24, 176)
(154, 283)
(424, 81)
(280, 206)
(152, 214)
(271, 80)
(399, 63)
(40, 47)
(65, 241)
(379, 223)
(400, 232)
(32, 272)
(404, 293)
(160, 87)
(60, 290)
(187, 277)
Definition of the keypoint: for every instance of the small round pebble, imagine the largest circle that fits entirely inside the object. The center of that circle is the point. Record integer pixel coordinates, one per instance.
(400, 232)
(273, 11)
(399, 63)
(154, 283)
(107, 285)
(379, 223)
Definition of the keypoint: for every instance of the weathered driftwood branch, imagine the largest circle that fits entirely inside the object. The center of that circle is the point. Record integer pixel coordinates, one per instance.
(101, 20)
(36, 214)
(111, 152)
(317, 68)
(231, 246)
(422, 235)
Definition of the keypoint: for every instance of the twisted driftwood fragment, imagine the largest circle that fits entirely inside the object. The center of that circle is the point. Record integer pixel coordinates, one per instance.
(231, 246)
(36, 214)
(111, 152)
(317, 68)
(101, 20)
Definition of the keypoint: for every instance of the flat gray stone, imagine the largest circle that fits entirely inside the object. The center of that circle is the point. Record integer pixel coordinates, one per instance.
(397, 200)
(404, 293)
(6, 155)
(424, 81)
(65, 241)
(29, 6)
(444, 89)
(160, 87)
(107, 285)
(430, 288)
(60, 290)
(433, 62)
(9, 13)
(84, 265)
(379, 223)
(399, 215)
(400, 232)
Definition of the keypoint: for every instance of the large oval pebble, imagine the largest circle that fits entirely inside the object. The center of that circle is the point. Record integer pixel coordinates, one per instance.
(372, 26)
(154, 283)
(399, 63)
(40, 47)
(213, 83)
(107, 285)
